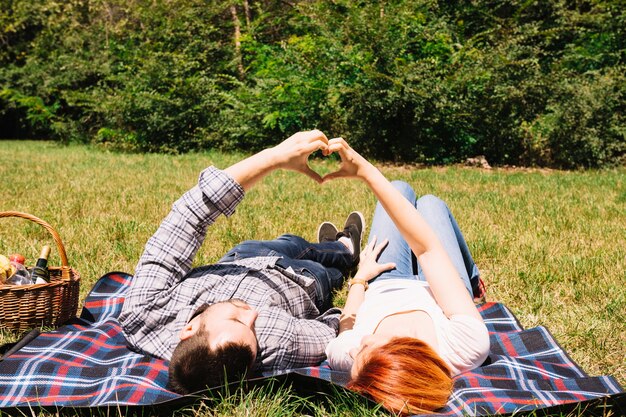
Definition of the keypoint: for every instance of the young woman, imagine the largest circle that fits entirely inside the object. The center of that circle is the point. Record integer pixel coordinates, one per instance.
(409, 324)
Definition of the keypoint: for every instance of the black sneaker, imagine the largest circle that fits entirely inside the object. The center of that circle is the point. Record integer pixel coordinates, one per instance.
(354, 228)
(327, 232)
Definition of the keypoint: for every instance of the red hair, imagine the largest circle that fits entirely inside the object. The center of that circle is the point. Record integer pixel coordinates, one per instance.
(406, 376)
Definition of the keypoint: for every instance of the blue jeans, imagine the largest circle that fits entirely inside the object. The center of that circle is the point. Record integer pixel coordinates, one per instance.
(438, 216)
(328, 263)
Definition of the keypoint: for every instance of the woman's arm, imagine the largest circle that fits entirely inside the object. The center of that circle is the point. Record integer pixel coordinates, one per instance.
(368, 270)
(443, 279)
(356, 295)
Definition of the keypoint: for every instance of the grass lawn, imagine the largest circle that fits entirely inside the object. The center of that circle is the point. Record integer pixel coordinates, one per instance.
(551, 245)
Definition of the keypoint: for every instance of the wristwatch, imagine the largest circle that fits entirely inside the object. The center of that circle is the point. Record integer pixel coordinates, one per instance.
(354, 281)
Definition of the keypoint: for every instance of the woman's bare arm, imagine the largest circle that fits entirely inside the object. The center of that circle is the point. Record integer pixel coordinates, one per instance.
(368, 269)
(443, 278)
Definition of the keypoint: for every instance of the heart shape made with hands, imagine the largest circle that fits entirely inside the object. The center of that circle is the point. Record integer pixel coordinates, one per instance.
(351, 164)
(296, 150)
(325, 167)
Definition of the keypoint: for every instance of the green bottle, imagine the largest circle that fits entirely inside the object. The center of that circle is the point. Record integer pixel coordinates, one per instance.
(40, 273)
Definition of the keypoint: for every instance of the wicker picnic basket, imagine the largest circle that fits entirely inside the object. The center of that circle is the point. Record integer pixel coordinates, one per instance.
(27, 306)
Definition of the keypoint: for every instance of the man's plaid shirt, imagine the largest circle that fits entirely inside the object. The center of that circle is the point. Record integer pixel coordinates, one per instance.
(166, 291)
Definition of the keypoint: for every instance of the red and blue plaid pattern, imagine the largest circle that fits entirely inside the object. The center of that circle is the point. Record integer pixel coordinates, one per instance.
(525, 370)
(88, 364)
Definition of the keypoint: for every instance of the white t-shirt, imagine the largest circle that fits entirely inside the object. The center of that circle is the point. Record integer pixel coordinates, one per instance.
(463, 341)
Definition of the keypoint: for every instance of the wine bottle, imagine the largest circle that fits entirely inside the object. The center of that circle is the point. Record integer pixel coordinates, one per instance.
(40, 273)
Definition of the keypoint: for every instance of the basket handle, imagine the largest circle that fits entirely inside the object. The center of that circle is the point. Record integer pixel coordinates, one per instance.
(50, 229)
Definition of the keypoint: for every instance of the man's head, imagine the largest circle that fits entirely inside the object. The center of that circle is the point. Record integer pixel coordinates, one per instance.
(217, 345)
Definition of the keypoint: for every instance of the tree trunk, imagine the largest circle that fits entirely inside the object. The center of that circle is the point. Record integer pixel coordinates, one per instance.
(237, 28)
(246, 8)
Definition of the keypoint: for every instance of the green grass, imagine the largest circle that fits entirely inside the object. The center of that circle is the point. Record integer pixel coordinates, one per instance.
(551, 244)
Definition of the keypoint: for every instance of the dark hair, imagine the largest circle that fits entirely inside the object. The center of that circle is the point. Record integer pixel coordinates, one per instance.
(195, 367)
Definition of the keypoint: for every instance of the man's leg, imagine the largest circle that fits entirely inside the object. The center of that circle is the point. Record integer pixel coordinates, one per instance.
(438, 216)
(326, 262)
(329, 254)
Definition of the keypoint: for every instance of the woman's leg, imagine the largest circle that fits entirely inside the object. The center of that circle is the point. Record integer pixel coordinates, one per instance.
(398, 250)
(438, 216)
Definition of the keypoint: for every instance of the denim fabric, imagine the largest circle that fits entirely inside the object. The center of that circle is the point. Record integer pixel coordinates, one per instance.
(326, 262)
(438, 216)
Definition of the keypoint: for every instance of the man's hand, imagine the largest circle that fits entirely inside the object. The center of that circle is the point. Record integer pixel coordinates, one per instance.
(293, 153)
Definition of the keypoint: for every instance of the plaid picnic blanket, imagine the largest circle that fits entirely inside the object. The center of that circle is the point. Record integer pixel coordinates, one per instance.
(87, 364)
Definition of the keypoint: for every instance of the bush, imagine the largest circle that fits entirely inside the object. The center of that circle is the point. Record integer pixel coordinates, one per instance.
(539, 83)
(584, 123)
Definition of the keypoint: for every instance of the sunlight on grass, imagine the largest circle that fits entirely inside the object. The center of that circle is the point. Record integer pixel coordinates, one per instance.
(551, 245)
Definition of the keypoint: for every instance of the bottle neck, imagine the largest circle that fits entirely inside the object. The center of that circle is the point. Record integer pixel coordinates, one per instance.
(41, 263)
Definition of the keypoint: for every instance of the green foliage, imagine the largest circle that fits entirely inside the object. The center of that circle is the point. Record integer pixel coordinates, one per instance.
(532, 83)
(583, 124)
(145, 71)
(37, 113)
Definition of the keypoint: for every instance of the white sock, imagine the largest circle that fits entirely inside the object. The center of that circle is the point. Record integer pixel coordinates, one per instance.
(348, 242)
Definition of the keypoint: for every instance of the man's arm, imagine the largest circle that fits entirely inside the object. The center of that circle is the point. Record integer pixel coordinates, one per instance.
(169, 253)
(291, 154)
(294, 343)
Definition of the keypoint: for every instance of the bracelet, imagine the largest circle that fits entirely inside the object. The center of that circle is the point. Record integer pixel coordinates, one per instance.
(354, 281)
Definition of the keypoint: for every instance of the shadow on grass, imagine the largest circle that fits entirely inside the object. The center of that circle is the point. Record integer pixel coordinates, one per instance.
(290, 394)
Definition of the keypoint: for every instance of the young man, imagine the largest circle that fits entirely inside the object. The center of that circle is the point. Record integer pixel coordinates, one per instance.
(263, 307)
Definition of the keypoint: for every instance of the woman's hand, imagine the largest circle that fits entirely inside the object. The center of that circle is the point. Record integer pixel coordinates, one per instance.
(369, 268)
(352, 165)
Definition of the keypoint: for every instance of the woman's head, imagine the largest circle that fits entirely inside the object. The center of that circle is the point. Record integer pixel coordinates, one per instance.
(404, 374)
